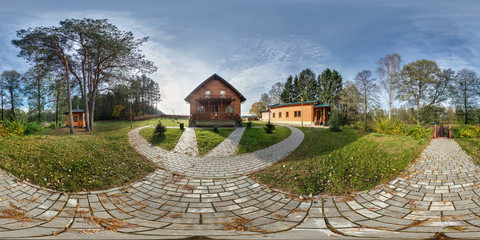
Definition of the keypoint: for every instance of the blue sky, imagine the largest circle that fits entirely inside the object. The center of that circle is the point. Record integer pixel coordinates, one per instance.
(255, 43)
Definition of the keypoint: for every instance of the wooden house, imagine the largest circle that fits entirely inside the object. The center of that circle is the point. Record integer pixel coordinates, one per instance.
(308, 112)
(215, 102)
(78, 118)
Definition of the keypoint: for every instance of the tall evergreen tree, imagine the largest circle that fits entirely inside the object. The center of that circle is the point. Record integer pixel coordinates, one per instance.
(329, 86)
(306, 85)
(288, 91)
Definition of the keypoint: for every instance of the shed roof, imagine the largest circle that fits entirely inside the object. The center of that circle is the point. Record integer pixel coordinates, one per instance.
(76, 111)
(287, 104)
(217, 77)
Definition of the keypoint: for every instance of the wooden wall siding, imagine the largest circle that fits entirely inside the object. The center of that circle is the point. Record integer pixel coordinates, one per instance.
(291, 109)
(215, 86)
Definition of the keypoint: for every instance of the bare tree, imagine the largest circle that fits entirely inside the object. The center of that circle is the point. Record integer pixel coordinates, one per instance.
(367, 87)
(466, 89)
(388, 67)
(275, 93)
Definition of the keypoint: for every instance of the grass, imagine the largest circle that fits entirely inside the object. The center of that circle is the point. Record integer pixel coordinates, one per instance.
(255, 123)
(471, 146)
(167, 141)
(207, 139)
(255, 139)
(342, 162)
(84, 161)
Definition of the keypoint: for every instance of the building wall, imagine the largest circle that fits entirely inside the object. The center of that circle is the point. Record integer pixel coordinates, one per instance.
(265, 116)
(307, 113)
(77, 123)
(215, 86)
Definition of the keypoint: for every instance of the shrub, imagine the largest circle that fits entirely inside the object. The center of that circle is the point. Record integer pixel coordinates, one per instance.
(32, 127)
(334, 122)
(12, 128)
(269, 128)
(215, 129)
(466, 131)
(51, 125)
(160, 129)
(396, 127)
(362, 126)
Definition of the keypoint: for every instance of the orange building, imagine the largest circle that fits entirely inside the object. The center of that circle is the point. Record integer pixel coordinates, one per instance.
(215, 102)
(78, 118)
(310, 112)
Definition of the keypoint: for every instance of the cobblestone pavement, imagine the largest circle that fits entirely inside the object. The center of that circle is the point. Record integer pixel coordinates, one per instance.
(187, 144)
(229, 146)
(436, 194)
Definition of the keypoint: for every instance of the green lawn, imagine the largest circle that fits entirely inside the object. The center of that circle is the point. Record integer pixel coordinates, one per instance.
(255, 139)
(167, 141)
(83, 161)
(471, 146)
(341, 162)
(207, 139)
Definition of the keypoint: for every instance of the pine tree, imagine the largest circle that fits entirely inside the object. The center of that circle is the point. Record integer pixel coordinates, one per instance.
(329, 86)
(286, 96)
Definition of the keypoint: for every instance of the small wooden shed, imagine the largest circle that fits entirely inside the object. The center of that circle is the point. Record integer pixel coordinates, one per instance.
(78, 118)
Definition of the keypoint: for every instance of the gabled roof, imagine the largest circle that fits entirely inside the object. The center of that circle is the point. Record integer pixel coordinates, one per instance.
(215, 76)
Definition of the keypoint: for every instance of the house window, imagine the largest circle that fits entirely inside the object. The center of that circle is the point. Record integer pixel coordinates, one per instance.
(286, 114)
(280, 115)
(207, 92)
(297, 114)
(80, 117)
(200, 109)
(75, 118)
(229, 109)
(222, 93)
(273, 115)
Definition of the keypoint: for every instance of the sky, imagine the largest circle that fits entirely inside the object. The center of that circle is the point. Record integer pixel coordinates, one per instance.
(255, 43)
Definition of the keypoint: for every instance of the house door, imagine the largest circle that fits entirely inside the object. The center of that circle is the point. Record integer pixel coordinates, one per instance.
(319, 117)
(214, 114)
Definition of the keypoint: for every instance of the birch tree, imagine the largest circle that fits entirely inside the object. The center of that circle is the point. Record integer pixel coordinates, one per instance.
(388, 68)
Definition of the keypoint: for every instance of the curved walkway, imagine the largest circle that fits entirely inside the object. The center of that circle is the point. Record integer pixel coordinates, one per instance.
(439, 193)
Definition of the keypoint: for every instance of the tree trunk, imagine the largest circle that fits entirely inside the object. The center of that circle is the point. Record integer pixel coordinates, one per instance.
(85, 110)
(2, 102)
(12, 103)
(389, 99)
(56, 108)
(69, 96)
(465, 102)
(92, 109)
(365, 113)
(39, 102)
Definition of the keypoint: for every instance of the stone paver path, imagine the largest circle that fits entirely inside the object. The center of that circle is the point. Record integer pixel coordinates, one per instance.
(187, 144)
(229, 146)
(439, 193)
